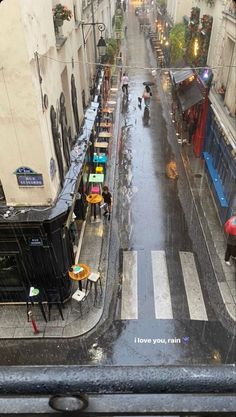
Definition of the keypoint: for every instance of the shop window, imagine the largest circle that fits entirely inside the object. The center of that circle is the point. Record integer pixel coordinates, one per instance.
(9, 272)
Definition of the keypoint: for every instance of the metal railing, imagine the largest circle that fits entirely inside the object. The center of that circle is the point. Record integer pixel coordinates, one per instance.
(113, 390)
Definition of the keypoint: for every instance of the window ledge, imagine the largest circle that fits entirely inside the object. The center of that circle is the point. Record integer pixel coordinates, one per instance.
(60, 40)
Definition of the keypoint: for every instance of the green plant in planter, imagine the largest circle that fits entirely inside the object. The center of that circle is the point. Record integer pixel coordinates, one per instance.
(118, 23)
(60, 13)
(177, 42)
(110, 51)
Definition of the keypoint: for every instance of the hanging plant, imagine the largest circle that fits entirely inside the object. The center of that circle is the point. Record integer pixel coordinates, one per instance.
(110, 51)
(61, 12)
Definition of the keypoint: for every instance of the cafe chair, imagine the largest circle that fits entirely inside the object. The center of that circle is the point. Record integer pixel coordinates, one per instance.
(54, 298)
(95, 189)
(79, 296)
(32, 300)
(93, 279)
(99, 170)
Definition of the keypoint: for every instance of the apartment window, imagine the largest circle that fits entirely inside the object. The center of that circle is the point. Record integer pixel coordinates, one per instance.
(9, 271)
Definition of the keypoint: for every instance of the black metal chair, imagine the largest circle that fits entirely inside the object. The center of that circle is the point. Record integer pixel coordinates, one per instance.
(53, 297)
(39, 298)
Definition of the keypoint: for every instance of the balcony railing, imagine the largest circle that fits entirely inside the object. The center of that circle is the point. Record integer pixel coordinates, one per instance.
(115, 391)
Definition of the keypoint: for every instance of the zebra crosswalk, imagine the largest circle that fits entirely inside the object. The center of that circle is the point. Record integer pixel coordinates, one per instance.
(154, 288)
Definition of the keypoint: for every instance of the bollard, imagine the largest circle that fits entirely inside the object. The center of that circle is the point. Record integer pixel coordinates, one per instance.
(35, 329)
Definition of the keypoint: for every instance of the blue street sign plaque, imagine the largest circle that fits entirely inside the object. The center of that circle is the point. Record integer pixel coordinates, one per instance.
(30, 180)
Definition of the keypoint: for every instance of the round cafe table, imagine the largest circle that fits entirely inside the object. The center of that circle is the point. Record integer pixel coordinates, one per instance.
(94, 199)
(80, 275)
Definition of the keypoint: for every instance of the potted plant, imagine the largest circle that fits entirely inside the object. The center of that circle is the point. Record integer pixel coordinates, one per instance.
(60, 13)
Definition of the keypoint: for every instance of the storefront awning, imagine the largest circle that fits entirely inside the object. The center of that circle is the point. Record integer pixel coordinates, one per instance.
(180, 75)
(189, 95)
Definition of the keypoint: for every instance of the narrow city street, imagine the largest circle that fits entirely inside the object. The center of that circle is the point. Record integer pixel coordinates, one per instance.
(162, 305)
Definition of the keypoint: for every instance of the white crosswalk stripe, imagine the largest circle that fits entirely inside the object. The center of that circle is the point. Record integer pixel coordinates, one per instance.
(196, 304)
(129, 305)
(162, 297)
(130, 309)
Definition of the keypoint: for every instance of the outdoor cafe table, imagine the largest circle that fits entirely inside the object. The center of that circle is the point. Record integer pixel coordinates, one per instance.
(106, 125)
(93, 199)
(96, 178)
(107, 110)
(102, 145)
(107, 114)
(105, 135)
(100, 159)
(79, 276)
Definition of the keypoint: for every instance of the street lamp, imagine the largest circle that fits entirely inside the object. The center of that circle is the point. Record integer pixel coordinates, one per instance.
(102, 46)
(101, 43)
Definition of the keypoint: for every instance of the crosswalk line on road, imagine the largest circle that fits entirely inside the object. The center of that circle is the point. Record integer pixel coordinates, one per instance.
(196, 303)
(129, 305)
(163, 302)
(162, 297)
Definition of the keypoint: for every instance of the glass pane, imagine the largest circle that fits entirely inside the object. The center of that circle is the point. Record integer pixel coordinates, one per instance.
(9, 273)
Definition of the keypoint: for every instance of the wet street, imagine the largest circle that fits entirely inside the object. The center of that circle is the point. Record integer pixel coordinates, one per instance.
(164, 305)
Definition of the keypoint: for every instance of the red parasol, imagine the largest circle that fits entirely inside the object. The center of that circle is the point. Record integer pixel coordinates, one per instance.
(230, 226)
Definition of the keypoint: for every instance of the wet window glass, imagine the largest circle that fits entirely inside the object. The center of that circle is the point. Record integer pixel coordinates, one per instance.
(9, 273)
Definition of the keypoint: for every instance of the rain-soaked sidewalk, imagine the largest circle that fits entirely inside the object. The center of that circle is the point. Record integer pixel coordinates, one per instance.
(226, 275)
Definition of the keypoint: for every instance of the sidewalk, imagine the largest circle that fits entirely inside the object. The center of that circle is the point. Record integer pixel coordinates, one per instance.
(216, 241)
(213, 231)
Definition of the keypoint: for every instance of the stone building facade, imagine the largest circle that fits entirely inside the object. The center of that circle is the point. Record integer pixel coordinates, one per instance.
(48, 73)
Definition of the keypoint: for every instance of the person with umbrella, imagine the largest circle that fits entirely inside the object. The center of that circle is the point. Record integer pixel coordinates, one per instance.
(230, 228)
(147, 93)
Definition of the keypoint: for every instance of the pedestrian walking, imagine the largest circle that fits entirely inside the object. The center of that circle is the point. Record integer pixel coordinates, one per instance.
(107, 202)
(230, 249)
(125, 83)
(147, 95)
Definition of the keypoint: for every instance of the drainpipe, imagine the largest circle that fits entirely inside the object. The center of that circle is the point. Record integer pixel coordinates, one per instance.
(94, 32)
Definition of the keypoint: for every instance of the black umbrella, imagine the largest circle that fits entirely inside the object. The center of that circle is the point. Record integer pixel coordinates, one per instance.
(148, 83)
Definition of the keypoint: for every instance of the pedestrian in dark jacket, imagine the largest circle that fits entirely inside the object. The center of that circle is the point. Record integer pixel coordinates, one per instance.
(231, 249)
(107, 199)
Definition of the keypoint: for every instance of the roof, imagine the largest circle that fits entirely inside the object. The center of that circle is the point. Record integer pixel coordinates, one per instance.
(189, 95)
(180, 75)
